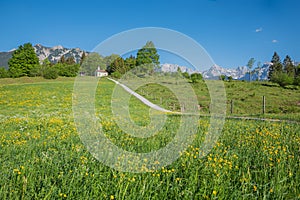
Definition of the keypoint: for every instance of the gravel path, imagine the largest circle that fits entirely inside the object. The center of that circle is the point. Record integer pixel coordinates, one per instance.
(156, 107)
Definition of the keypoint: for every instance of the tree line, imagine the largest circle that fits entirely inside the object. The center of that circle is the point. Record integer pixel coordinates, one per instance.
(24, 62)
(144, 63)
(284, 73)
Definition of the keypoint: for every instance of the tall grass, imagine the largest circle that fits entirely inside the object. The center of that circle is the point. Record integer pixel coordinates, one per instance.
(42, 156)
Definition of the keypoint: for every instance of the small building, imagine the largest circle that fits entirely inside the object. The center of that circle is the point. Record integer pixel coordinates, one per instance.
(100, 73)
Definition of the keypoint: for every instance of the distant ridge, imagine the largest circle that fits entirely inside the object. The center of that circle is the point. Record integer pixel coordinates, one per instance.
(52, 53)
(215, 71)
(55, 53)
(167, 67)
(4, 58)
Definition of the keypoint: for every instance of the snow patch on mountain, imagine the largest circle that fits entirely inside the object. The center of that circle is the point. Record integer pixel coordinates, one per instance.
(240, 73)
(259, 73)
(167, 67)
(54, 54)
(216, 71)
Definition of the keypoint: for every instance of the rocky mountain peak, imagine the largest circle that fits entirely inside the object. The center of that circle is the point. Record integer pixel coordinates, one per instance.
(55, 53)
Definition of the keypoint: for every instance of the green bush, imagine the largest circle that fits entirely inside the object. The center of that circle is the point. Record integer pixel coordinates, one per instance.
(282, 79)
(116, 74)
(3, 73)
(222, 77)
(196, 77)
(50, 73)
(186, 75)
(68, 70)
(297, 80)
(35, 71)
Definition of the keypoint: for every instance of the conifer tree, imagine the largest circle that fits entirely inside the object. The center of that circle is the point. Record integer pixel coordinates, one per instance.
(288, 66)
(276, 66)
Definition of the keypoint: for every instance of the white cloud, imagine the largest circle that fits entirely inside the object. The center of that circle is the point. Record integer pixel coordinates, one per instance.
(258, 30)
(274, 41)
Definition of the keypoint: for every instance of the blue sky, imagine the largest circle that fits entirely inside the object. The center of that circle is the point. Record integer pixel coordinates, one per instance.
(231, 31)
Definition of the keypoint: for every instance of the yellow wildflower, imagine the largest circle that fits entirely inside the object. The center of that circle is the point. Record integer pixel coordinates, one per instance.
(254, 188)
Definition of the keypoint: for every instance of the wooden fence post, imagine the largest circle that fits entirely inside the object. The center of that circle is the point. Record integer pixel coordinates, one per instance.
(264, 105)
(231, 106)
(182, 107)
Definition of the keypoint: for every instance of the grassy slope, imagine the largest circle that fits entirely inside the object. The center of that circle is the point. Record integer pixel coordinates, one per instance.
(247, 99)
(42, 156)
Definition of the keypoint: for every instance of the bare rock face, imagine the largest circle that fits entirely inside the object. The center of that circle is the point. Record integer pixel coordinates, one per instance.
(55, 53)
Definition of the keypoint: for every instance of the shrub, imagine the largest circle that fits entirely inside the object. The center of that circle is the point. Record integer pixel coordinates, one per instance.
(3, 73)
(186, 75)
(68, 70)
(50, 73)
(222, 77)
(297, 80)
(196, 77)
(35, 71)
(116, 74)
(282, 79)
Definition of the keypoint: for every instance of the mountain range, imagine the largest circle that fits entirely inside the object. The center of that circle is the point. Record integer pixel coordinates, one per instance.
(54, 54)
(214, 72)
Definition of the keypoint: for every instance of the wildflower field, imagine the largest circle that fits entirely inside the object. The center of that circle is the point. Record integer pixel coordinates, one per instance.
(42, 156)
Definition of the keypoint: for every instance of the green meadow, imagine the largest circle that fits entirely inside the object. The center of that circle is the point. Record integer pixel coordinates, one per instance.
(43, 157)
(246, 98)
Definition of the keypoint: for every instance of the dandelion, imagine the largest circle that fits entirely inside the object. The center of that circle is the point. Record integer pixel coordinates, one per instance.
(214, 192)
(254, 188)
(112, 197)
(156, 162)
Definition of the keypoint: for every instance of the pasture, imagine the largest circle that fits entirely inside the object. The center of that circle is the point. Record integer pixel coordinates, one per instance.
(42, 156)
